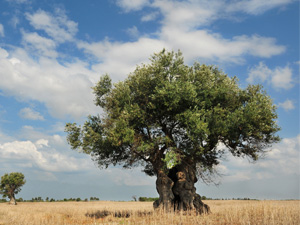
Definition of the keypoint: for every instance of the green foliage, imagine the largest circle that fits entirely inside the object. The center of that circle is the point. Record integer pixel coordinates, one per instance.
(94, 199)
(171, 159)
(147, 199)
(39, 199)
(2, 200)
(166, 112)
(11, 184)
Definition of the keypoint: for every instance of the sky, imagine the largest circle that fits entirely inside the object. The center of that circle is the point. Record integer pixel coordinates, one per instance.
(52, 52)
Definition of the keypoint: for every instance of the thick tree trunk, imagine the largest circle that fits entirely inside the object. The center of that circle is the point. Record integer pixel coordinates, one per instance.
(177, 190)
(12, 200)
(164, 186)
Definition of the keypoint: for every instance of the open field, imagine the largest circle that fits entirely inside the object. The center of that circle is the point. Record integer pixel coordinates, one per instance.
(223, 212)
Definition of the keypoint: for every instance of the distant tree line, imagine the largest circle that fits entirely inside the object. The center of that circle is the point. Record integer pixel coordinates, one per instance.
(141, 199)
(207, 198)
(150, 199)
(47, 199)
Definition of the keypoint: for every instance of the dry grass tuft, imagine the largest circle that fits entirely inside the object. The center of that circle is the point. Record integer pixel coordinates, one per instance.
(119, 214)
(105, 212)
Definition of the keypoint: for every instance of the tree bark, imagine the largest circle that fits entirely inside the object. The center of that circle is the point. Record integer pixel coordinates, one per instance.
(177, 190)
(164, 186)
(12, 200)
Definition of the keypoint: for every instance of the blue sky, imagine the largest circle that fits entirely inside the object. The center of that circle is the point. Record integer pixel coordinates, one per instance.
(52, 52)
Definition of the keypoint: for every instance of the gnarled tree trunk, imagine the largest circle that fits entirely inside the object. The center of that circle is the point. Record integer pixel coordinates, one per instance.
(12, 200)
(177, 190)
(164, 185)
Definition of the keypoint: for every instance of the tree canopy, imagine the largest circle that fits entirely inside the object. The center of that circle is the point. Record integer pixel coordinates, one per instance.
(166, 112)
(171, 118)
(11, 185)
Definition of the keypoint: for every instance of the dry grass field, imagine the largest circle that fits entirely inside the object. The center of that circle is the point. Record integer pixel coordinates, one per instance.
(105, 212)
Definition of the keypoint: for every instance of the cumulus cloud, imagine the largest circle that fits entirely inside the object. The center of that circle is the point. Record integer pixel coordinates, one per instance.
(287, 105)
(282, 77)
(41, 45)
(30, 114)
(119, 59)
(256, 7)
(3, 53)
(282, 159)
(149, 17)
(57, 26)
(191, 13)
(187, 15)
(34, 73)
(260, 72)
(45, 156)
(39, 154)
(65, 89)
(208, 45)
(279, 78)
(132, 5)
(14, 21)
(181, 29)
(133, 32)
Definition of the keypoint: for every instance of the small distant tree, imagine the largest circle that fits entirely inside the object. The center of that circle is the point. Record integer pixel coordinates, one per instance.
(94, 199)
(134, 198)
(11, 185)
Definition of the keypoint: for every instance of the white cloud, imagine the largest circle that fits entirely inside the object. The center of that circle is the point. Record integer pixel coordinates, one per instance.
(65, 89)
(132, 5)
(180, 30)
(256, 7)
(3, 53)
(281, 160)
(192, 13)
(1, 30)
(28, 113)
(149, 17)
(41, 143)
(287, 105)
(280, 77)
(204, 44)
(36, 43)
(119, 59)
(253, 7)
(260, 72)
(39, 155)
(187, 15)
(133, 32)
(57, 26)
(14, 21)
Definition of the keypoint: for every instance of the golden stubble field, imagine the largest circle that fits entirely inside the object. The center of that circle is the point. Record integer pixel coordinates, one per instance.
(223, 212)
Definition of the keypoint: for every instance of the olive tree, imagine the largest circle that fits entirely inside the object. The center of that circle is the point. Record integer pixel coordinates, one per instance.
(171, 118)
(11, 185)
